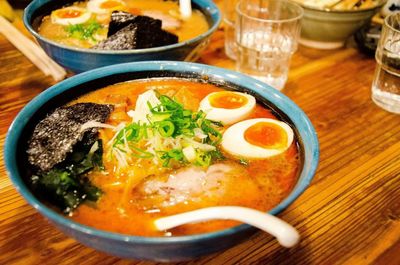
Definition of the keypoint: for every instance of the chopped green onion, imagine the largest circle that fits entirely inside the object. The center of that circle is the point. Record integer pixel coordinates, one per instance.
(174, 134)
(203, 159)
(175, 154)
(132, 132)
(159, 116)
(83, 31)
(187, 113)
(184, 123)
(165, 157)
(187, 132)
(141, 153)
(145, 134)
(169, 103)
(166, 128)
(217, 155)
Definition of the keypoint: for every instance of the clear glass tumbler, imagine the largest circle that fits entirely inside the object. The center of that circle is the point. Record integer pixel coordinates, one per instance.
(386, 84)
(229, 28)
(267, 33)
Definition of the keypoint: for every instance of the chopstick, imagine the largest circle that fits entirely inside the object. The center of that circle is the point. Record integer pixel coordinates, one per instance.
(31, 50)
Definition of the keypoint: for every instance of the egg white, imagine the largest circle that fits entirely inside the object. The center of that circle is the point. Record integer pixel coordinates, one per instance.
(227, 116)
(95, 6)
(234, 143)
(85, 16)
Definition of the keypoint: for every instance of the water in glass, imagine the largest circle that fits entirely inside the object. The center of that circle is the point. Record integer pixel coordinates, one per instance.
(386, 85)
(230, 45)
(265, 56)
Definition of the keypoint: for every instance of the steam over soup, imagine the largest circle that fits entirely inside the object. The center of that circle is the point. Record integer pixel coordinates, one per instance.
(121, 24)
(167, 146)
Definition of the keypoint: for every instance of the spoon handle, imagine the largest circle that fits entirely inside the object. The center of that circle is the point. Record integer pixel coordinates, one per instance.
(185, 7)
(286, 234)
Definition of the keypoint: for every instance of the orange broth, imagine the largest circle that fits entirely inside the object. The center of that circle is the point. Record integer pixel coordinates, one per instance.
(124, 208)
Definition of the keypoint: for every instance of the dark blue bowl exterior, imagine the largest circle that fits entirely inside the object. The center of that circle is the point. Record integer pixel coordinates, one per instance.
(165, 251)
(161, 248)
(80, 60)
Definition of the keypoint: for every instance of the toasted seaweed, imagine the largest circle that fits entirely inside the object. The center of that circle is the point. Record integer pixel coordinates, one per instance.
(66, 185)
(55, 136)
(127, 31)
(124, 39)
(120, 20)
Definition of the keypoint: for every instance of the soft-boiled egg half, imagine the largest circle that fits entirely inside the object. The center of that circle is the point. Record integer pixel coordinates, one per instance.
(257, 138)
(105, 6)
(227, 107)
(70, 15)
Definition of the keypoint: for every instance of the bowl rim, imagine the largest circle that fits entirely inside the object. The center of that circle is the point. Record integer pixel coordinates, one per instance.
(211, 7)
(239, 11)
(262, 89)
(327, 10)
(391, 26)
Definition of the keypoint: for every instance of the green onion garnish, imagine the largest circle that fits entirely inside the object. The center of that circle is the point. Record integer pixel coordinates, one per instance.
(166, 128)
(171, 128)
(83, 31)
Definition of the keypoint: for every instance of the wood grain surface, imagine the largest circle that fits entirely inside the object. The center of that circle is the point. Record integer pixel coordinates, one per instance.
(349, 215)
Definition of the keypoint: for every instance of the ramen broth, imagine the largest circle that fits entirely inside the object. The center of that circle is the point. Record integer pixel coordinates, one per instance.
(129, 204)
(97, 26)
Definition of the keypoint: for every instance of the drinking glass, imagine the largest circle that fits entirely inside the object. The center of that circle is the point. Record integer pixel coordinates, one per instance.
(386, 84)
(229, 28)
(267, 32)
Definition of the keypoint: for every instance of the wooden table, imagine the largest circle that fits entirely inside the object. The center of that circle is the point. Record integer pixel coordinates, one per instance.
(349, 215)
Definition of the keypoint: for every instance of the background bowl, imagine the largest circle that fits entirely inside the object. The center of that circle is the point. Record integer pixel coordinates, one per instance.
(329, 29)
(154, 248)
(79, 59)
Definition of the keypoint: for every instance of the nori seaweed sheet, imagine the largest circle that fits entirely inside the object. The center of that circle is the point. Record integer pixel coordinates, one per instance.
(127, 31)
(55, 136)
(124, 39)
(120, 20)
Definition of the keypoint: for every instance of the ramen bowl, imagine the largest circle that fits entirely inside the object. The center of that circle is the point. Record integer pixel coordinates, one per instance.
(329, 29)
(79, 60)
(176, 248)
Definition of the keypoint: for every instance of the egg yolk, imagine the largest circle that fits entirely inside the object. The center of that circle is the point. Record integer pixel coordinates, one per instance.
(266, 135)
(68, 13)
(110, 4)
(227, 100)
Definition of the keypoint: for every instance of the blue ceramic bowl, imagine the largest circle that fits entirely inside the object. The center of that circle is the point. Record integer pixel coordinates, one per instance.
(79, 60)
(329, 29)
(154, 248)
